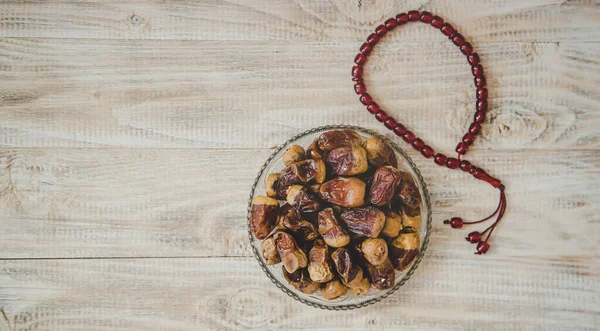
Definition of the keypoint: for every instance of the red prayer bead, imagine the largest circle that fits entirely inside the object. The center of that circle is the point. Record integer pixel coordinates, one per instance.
(413, 15)
(437, 22)
(479, 117)
(373, 39)
(448, 30)
(409, 137)
(366, 48)
(373, 108)
(426, 17)
(381, 116)
(466, 49)
(427, 151)
(482, 248)
(462, 148)
(474, 128)
(456, 222)
(366, 99)
(481, 93)
(458, 40)
(452, 163)
(418, 144)
(360, 59)
(381, 30)
(473, 59)
(399, 130)
(468, 138)
(390, 123)
(477, 70)
(391, 24)
(360, 88)
(440, 159)
(480, 81)
(465, 165)
(402, 18)
(482, 105)
(357, 72)
(473, 237)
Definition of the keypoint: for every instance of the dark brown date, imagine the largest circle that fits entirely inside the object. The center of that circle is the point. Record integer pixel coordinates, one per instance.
(276, 187)
(314, 152)
(383, 275)
(404, 248)
(291, 255)
(304, 200)
(411, 221)
(380, 153)
(365, 221)
(319, 262)
(347, 160)
(385, 182)
(263, 216)
(304, 171)
(331, 230)
(301, 281)
(338, 138)
(303, 229)
(345, 192)
(408, 193)
(350, 273)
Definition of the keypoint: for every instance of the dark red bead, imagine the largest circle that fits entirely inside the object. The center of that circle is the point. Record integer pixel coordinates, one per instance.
(473, 237)
(366, 48)
(413, 15)
(479, 117)
(357, 72)
(418, 144)
(466, 49)
(477, 70)
(482, 105)
(456, 222)
(482, 248)
(381, 30)
(448, 30)
(402, 18)
(390, 24)
(462, 148)
(373, 108)
(427, 151)
(473, 59)
(465, 165)
(452, 163)
(474, 128)
(409, 137)
(390, 123)
(360, 59)
(399, 130)
(437, 22)
(426, 17)
(480, 81)
(458, 40)
(468, 138)
(373, 39)
(360, 88)
(481, 93)
(381, 116)
(366, 99)
(440, 159)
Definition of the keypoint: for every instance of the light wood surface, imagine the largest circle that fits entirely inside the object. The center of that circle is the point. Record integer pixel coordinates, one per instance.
(131, 133)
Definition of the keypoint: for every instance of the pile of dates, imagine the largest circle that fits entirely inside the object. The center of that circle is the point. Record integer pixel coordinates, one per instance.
(348, 218)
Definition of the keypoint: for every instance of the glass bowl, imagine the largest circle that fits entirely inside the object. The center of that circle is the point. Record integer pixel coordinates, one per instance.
(350, 301)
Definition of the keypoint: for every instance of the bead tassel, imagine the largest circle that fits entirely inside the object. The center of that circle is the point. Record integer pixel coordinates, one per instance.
(400, 130)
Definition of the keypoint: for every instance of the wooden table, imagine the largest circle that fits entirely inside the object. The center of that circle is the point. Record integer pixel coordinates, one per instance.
(131, 132)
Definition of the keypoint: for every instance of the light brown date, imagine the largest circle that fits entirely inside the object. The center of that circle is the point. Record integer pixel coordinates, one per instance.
(363, 287)
(345, 192)
(263, 216)
(380, 153)
(304, 171)
(291, 255)
(385, 182)
(350, 273)
(375, 250)
(383, 275)
(393, 225)
(293, 154)
(314, 152)
(300, 280)
(303, 199)
(269, 251)
(338, 138)
(404, 248)
(364, 221)
(334, 289)
(331, 229)
(319, 262)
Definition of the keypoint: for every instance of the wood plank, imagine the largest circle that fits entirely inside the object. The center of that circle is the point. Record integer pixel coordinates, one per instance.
(65, 203)
(302, 20)
(80, 93)
(446, 292)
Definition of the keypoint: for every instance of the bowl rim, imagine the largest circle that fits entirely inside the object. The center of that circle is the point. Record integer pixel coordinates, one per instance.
(426, 200)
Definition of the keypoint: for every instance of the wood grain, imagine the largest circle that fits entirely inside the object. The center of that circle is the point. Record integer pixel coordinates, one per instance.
(301, 20)
(149, 94)
(234, 294)
(65, 203)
